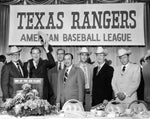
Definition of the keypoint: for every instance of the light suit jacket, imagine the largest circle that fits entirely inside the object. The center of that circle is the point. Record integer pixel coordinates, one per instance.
(74, 86)
(90, 73)
(127, 81)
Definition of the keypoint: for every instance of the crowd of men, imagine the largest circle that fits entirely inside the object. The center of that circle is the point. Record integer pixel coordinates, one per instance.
(89, 84)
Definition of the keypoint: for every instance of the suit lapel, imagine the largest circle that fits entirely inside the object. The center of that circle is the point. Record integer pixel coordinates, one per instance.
(102, 68)
(14, 69)
(127, 68)
(63, 74)
(40, 63)
(71, 73)
(32, 67)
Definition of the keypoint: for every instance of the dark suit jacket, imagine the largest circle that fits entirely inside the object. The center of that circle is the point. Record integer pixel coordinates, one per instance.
(41, 72)
(140, 90)
(101, 88)
(74, 86)
(9, 71)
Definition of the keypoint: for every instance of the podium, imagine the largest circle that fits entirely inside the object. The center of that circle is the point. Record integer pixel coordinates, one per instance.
(36, 83)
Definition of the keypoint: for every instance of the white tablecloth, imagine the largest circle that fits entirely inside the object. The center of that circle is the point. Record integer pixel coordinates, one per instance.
(58, 117)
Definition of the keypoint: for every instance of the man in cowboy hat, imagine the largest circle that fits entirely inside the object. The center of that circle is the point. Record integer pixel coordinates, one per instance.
(146, 76)
(102, 76)
(12, 69)
(88, 73)
(126, 78)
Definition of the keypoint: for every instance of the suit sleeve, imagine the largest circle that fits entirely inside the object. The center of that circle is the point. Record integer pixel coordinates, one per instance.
(81, 84)
(135, 81)
(5, 81)
(113, 83)
(25, 70)
(50, 76)
(50, 62)
(109, 79)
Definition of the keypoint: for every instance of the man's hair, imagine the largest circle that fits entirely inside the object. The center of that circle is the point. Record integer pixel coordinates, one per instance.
(33, 48)
(2, 58)
(59, 50)
(70, 55)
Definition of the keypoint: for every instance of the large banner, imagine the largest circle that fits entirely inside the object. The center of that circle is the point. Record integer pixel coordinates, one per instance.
(88, 24)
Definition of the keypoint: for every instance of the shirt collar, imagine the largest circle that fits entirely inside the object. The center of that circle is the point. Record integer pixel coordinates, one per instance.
(125, 65)
(35, 64)
(101, 65)
(69, 68)
(83, 64)
(15, 63)
(62, 63)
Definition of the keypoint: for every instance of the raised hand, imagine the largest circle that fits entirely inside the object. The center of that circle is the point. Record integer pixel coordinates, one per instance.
(43, 40)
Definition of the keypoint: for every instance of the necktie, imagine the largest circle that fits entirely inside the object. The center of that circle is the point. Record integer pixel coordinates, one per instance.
(19, 68)
(124, 68)
(86, 76)
(66, 76)
(59, 68)
(36, 65)
(98, 69)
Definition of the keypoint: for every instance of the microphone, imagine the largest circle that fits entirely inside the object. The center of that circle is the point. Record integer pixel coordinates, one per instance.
(28, 69)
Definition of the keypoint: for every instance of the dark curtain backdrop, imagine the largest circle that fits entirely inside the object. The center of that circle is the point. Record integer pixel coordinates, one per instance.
(4, 28)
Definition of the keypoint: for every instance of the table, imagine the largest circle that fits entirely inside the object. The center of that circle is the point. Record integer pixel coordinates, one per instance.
(58, 117)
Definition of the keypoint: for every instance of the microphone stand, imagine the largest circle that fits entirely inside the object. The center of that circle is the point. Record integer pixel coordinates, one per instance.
(28, 69)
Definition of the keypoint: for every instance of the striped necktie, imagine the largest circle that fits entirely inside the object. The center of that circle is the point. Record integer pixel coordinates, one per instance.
(124, 68)
(19, 68)
(66, 76)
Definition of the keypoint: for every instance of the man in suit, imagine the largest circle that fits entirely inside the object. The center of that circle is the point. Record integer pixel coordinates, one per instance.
(38, 68)
(11, 70)
(70, 82)
(53, 72)
(146, 76)
(2, 63)
(140, 90)
(126, 78)
(88, 73)
(102, 76)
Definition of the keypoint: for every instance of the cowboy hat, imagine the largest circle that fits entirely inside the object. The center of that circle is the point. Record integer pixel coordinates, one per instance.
(13, 50)
(42, 36)
(84, 50)
(122, 52)
(101, 50)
